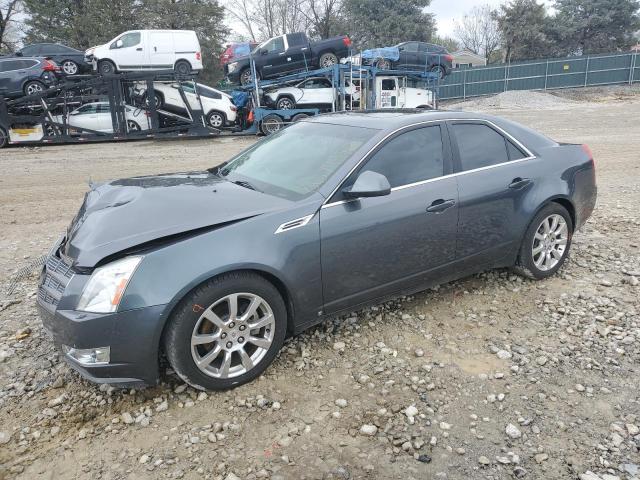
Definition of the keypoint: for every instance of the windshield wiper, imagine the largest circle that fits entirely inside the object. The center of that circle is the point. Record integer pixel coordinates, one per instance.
(246, 184)
(217, 169)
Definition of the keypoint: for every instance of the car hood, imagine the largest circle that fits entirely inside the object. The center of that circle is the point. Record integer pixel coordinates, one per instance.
(122, 214)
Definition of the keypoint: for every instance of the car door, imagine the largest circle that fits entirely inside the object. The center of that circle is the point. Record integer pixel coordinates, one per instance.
(317, 91)
(161, 49)
(104, 121)
(85, 117)
(495, 174)
(297, 54)
(408, 55)
(6, 75)
(273, 59)
(377, 246)
(128, 52)
(13, 74)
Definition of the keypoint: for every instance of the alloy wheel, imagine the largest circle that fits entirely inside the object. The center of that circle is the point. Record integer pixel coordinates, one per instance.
(285, 104)
(232, 335)
(69, 67)
(34, 88)
(550, 242)
(133, 126)
(215, 120)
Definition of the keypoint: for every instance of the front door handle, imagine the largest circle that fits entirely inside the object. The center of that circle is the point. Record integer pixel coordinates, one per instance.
(519, 183)
(440, 205)
(139, 49)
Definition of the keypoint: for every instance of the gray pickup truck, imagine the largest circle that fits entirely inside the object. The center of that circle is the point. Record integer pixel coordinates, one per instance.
(288, 53)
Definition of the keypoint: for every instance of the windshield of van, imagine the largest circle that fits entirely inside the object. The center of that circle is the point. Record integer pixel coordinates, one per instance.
(297, 160)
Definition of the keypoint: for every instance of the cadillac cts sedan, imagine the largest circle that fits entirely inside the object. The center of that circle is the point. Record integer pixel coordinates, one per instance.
(214, 269)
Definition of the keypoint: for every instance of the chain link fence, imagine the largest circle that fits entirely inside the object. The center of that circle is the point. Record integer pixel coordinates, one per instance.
(572, 72)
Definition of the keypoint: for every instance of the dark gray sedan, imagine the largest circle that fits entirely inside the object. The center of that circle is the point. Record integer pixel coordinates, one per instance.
(214, 269)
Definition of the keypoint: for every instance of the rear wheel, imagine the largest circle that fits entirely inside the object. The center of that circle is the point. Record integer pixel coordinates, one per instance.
(226, 332)
(271, 124)
(439, 70)
(182, 67)
(70, 67)
(106, 67)
(216, 119)
(246, 78)
(4, 138)
(546, 243)
(33, 87)
(328, 59)
(285, 103)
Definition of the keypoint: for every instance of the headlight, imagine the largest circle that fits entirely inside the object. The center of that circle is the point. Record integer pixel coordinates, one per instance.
(105, 288)
(232, 67)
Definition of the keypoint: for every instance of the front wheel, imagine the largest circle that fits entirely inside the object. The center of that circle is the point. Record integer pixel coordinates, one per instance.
(106, 67)
(226, 332)
(133, 126)
(546, 243)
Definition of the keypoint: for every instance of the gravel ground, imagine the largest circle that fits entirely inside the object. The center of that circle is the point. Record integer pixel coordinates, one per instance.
(489, 377)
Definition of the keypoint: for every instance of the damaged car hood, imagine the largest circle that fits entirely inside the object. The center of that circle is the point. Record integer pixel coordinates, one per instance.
(122, 214)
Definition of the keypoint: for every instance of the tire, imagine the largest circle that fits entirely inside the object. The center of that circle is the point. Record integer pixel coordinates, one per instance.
(159, 100)
(383, 64)
(33, 87)
(69, 67)
(246, 78)
(206, 312)
(216, 119)
(271, 124)
(327, 59)
(182, 67)
(543, 253)
(133, 126)
(4, 138)
(285, 103)
(106, 67)
(439, 69)
(298, 117)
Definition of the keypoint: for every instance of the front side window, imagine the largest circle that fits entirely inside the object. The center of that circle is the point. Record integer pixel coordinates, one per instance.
(104, 108)
(87, 109)
(389, 84)
(128, 40)
(409, 47)
(410, 157)
(479, 146)
(284, 165)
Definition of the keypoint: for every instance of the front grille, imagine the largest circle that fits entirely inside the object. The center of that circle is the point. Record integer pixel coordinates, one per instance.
(55, 278)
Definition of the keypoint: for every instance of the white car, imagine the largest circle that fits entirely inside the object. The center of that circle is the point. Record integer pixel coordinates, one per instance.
(312, 92)
(148, 50)
(216, 105)
(97, 116)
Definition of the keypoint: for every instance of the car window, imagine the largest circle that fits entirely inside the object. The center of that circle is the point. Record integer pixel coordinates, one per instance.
(87, 109)
(274, 45)
(514, 152)
(479, 145)
(28, 63)
(209, 92)
(409, 47)
(55, 49)
(282, 164)
(103, 108)
(389, 84)
(31, 50)
(128, 40)
(297, 39)
(10, 65)
(410, 157)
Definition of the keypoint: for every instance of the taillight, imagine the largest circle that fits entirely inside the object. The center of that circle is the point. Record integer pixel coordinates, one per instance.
(448, 58)
(587, 150)
(198, 56)
(346, 41)
(232, 108)
(49, 66)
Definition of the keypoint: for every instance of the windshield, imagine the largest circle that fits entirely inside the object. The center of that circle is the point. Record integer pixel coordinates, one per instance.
(296, 161)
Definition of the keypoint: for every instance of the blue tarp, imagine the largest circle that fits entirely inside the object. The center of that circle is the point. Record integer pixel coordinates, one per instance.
(242, 49)
(239, 98)
(390, 53)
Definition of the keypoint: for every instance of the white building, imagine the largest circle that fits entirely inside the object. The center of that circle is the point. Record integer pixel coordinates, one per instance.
(466, 59)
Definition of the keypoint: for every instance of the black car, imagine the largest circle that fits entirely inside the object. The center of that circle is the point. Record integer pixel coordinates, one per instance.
(288, 53)
(26, 76)
(420, 56)
(215, 268)
(71, 61)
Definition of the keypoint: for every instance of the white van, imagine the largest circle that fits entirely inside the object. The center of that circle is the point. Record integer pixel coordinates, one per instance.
(148, 50)
(393, 92)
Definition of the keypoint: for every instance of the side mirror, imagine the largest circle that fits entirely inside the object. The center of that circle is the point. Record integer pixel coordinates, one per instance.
(368, 184)
(19, 54)
(119, 44)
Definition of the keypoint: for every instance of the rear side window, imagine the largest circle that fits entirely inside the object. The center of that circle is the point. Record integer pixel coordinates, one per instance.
(103, 108)
(479, 145)
(411, 157)
(31, 50)
(297, 39)
(11, 65)
(28, 63)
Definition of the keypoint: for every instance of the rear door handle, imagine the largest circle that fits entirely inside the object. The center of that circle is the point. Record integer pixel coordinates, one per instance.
(139, 49)
(440, 205)
(519, 183)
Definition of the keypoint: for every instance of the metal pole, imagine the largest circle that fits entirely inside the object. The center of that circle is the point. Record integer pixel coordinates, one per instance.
(464, 83)
(633, 65)
(546, 75)
(586, 72)
(506, 76)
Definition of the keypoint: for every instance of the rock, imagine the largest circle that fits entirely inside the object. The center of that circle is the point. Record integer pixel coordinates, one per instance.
(127, 418)
(276, 406)
(631, 468)
(341, 402)
(504, 354)
(482, 460)
(5, 437)
(232, 476)
(339, 346)
(519, 472)
(460, 451)
(632, 429)
(541, 457)
(542, 360)
(580, 387)
(162, 406)
(424, 458)
(411, 411)
(588, 475)
(419, 352)
(512, 431)
(445, 426)
(369, 430)
(144, 458)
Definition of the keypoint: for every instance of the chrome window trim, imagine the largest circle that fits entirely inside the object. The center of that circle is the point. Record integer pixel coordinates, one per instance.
(530, 156)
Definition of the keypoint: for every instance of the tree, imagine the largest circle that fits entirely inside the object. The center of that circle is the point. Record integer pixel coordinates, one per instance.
(9, 10)
(524, 26)
(374, 23)
(451, 44)
(478, 32)
(595, 26)
(325, 17)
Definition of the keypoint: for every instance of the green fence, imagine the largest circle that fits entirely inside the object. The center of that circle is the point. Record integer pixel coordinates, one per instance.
(547, 74)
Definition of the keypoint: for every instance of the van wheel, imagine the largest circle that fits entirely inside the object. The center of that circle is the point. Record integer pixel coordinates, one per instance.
(328, 59)
(271, 124)
(216, 119)
(182, 67)
(4, 138)
(226, 332)
(106, 67)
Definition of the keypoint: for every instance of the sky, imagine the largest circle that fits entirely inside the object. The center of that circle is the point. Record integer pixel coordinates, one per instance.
(448, 11)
